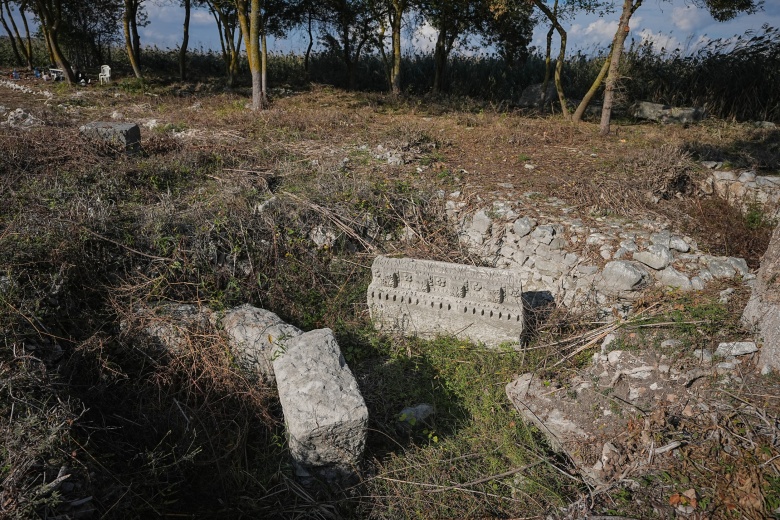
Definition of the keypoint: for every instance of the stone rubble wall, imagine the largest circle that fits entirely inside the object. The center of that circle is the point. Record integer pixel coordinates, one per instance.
(578, 263)
(743, 189)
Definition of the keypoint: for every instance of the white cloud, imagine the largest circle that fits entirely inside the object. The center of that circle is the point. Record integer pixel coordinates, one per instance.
(600, 30)
(201, 17)
(689, 18)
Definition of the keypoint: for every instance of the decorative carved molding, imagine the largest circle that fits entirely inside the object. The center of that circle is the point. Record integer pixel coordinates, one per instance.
(427, 298)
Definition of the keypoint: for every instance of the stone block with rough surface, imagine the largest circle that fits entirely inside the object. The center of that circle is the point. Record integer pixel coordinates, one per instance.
(124, 135)
(323, 409)
(427, 298)
(254, 336)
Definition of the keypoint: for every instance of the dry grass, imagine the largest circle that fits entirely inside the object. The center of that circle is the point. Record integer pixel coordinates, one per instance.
(219, 210)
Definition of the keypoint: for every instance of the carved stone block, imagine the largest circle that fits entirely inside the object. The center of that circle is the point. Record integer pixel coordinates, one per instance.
(429, 298)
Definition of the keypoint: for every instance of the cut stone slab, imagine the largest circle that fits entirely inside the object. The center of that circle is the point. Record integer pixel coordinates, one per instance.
(124, 135)
(255, 336)
(324, 411)
(427, 298)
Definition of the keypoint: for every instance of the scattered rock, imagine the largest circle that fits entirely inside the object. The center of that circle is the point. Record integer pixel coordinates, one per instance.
(414, 415)
(602, 417)
(657, 256)
(20, 119)
(736, 348)
(620, 276)
(667, 114)
(532, 96)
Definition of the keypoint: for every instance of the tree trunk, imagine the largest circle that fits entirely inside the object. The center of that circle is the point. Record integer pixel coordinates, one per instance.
(50, 17)
(577, 117)
(14, 48)
(347, 56)
(553, 18)
(395, 69)
(547, 60)
(126, 25)
(614, 63)
(264, 71)
(185, 41)
(16, 38)
(29, 52)
(439, 61)
(307, 56)
(136, 36)
(250, 26)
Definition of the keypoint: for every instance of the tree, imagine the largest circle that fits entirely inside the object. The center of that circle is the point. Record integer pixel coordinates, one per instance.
(50, 16)
(89, 30)
(508, 26)
(230, 36)
(393, 12)
(17, 43)
(452, 18)
(249, 18)
(349, 27)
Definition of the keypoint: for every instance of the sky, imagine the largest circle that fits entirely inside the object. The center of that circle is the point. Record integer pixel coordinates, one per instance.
(668, 23)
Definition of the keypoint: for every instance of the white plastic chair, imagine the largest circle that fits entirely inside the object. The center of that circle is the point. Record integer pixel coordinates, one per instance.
(105, 74)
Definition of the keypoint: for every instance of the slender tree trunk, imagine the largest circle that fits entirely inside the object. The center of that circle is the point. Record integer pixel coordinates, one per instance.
(387, 62)
(577, 117)
(250, 26)
(439, 61)
(50, 16)
(617, 50)
(16, 38)
(136, 36)
(553, 18)
(309, 46)
(126, 25)
(264, 71)
(185, 41)
(347, 56)
(29, 53)
(395, 22)
(547, 60)
(11, 39)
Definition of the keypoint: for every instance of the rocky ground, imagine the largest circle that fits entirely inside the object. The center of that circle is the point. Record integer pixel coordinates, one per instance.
(652, 236)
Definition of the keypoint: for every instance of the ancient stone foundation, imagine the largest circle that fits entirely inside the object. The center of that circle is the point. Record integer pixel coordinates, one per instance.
(426, 298)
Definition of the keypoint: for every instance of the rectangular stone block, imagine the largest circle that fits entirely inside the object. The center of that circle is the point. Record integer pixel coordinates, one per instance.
(124, 135)
(324, 411)
(426, 298)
